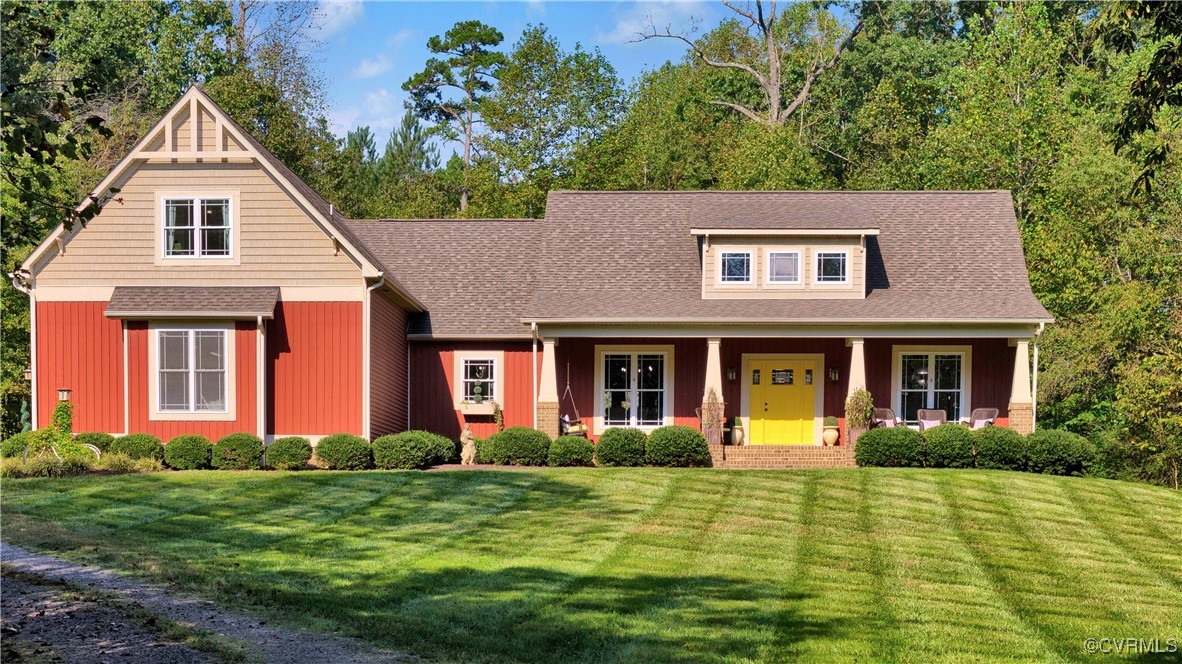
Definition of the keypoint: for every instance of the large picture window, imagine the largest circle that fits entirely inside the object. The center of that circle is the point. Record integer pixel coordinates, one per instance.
(931, 380)
(635, 390)
(197, 227)
(192, 371)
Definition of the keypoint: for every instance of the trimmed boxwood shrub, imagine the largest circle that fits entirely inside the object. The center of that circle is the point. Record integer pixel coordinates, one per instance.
(344, 451)
(14, 445)
(520, 446)
(238, 451)
(484, 451)
(571, 451)
(999, 448)
(97, 438)
(188, 452)
(412, 450)
(948, 446)
(139, 446)
(1056, 452)
(676, 446)
(890, 446)
(619, 446)
(289, 453)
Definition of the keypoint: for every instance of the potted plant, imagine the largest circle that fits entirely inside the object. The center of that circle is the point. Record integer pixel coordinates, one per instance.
(859, 414)
(737, 434)
(712, 418)
(829, 434)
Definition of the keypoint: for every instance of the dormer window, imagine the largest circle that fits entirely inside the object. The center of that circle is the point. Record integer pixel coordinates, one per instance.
(734, 267)
(197, 227)
(783, 267)
(832, 267)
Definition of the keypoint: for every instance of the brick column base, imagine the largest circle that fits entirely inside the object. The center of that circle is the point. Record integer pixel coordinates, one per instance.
(548, 418)
(1022, 417)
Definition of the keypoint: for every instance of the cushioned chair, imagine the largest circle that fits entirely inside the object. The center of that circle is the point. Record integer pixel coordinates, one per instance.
(885, 417)
(930, 417)
(982, 417)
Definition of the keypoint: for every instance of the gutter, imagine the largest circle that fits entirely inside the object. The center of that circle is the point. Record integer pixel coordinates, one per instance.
(1034, 380)
(787, 321)
(533, 369)
(366, 355)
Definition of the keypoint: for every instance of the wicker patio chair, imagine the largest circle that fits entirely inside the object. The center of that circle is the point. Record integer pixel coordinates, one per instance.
(982, 417)
(885, 417)
(931, 417)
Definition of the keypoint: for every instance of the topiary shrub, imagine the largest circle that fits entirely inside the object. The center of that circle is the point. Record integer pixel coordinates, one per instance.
(1056, 452)
(676, 446)
(289, 453)
(520, 446)
(14, 445)
(571, 451)
(188, 452)
(484, 451)
(999, 448)
(116, 462)
(238, 451)
(949, 446)
(412, 450)
(139, 446)
(619, 446)
(891, 447)
(344, 451)
(97, 438)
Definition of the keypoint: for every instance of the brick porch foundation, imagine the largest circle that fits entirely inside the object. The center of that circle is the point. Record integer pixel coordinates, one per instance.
(1022, 417)
(781, 456)
(548, 419)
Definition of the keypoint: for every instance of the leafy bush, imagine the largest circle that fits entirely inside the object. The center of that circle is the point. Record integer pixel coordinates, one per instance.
(344, 451)
(891, 447)
(139, 446)
(1056, 452)
(116, 462)
(520, 446)
(97, 438)
(14, 445)
(948, 446)
(619, 446)
(238, 451)
(148, 465)
(571, 451)
(188, 452)
(1000, 448)
(484, 451)
(289, 453)
(830, 421)
(859, 410)
(677, 446)
(412, 450)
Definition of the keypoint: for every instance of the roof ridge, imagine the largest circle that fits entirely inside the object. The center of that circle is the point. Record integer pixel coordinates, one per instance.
(439, 220)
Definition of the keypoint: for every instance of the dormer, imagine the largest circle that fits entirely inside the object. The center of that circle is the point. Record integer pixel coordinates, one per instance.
(783, 263)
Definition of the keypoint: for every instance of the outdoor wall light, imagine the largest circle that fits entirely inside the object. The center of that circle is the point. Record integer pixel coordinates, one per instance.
(63, 394)
(731, 374)
(834, 375)
(28, 374)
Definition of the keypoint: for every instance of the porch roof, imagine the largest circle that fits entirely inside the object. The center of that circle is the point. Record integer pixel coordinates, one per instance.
(145, 302)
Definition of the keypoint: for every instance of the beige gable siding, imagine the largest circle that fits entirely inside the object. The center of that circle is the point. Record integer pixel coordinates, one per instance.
(808, 248)
(278, 243)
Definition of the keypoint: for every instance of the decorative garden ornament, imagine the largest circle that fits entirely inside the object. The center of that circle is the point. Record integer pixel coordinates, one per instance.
(468, 447)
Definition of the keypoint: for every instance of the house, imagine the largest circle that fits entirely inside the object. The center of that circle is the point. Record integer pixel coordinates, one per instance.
(219, 293)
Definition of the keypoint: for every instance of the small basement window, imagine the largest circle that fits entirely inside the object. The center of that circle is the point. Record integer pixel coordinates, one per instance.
(783, 267)
(734, 267)
(832, 267)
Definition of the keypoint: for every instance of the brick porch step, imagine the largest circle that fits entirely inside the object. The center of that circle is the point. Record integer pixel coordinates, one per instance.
(781, 456)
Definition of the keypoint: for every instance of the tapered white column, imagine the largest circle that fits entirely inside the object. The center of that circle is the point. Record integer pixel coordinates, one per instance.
(548, 391)
(713, 369)
(1021, 409)
(857, 375)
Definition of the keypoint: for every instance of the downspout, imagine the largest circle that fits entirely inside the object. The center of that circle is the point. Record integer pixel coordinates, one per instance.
(366, 354)
(533, 369)
(261, 380)
(1034, 381)
(20, 286)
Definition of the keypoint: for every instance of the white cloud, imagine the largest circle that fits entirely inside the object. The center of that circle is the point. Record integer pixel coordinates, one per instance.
(369, 68)
(400, 38)
(642, 17)
(336, 15)
(342, 120)
(382, 110)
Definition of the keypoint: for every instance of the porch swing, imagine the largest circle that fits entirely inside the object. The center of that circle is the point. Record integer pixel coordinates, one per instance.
(567, 426)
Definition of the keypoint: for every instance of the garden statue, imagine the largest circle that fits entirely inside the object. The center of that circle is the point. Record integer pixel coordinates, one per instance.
(468, 447)
(26, 418)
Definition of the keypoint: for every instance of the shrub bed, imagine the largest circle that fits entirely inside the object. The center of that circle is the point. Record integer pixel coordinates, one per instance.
(999, 448)
(97, 438)
(238, 451)
(188, 452)
(344, 451)
(571, 451)
(1055, 452)
(520, 446)
(14, 445)
(890, 446)
(289, 453)
(484, 450)
(948, 446)
(677, 446)
(139, 446)
(116, 462)
(412, 450)
(619, 446)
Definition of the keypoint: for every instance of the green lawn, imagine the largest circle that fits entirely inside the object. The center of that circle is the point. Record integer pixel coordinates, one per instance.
(647, 565)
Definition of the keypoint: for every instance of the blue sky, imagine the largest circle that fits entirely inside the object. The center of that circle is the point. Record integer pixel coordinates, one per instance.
(370, 48)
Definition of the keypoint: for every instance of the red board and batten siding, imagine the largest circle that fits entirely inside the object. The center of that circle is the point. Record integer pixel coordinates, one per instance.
(387, 367)
(314, 376)
(81, 349)
(245, 385)
(431, 404)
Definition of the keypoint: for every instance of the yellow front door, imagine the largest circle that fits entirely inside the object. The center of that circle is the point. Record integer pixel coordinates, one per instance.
(782, 402)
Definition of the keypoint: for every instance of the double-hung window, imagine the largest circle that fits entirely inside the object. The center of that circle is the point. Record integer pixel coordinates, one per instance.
(479, 380)
(931, 380)
(783, 267)
(192, 371)
(634, 389)
(734, 267)
(832, 267)
(197, 227)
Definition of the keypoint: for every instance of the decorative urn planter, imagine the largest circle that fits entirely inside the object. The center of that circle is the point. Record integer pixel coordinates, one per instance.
(830, 433)
(737, 433)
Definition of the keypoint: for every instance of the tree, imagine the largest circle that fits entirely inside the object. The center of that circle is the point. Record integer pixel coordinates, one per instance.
(470, 71)
(408, 151)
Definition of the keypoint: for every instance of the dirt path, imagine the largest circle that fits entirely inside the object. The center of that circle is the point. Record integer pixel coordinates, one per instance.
(72, 630)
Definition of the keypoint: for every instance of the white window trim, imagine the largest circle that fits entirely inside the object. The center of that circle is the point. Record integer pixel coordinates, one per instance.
(817, 267)
(966, 375)
(161, 257)
(767, 278)
(750, 260)
(155, 413)
(457, 388)
(597, 424)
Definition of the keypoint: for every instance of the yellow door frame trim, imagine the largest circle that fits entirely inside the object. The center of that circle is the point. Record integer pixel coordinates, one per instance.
(818, 391)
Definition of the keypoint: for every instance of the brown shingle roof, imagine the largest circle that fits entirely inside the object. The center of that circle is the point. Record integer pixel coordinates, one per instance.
(193, 302)
(826, 210)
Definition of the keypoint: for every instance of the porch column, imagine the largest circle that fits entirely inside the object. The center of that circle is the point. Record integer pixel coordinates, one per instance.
(1021, 402)
(857, 375)
(713, 384)
(548, 391)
